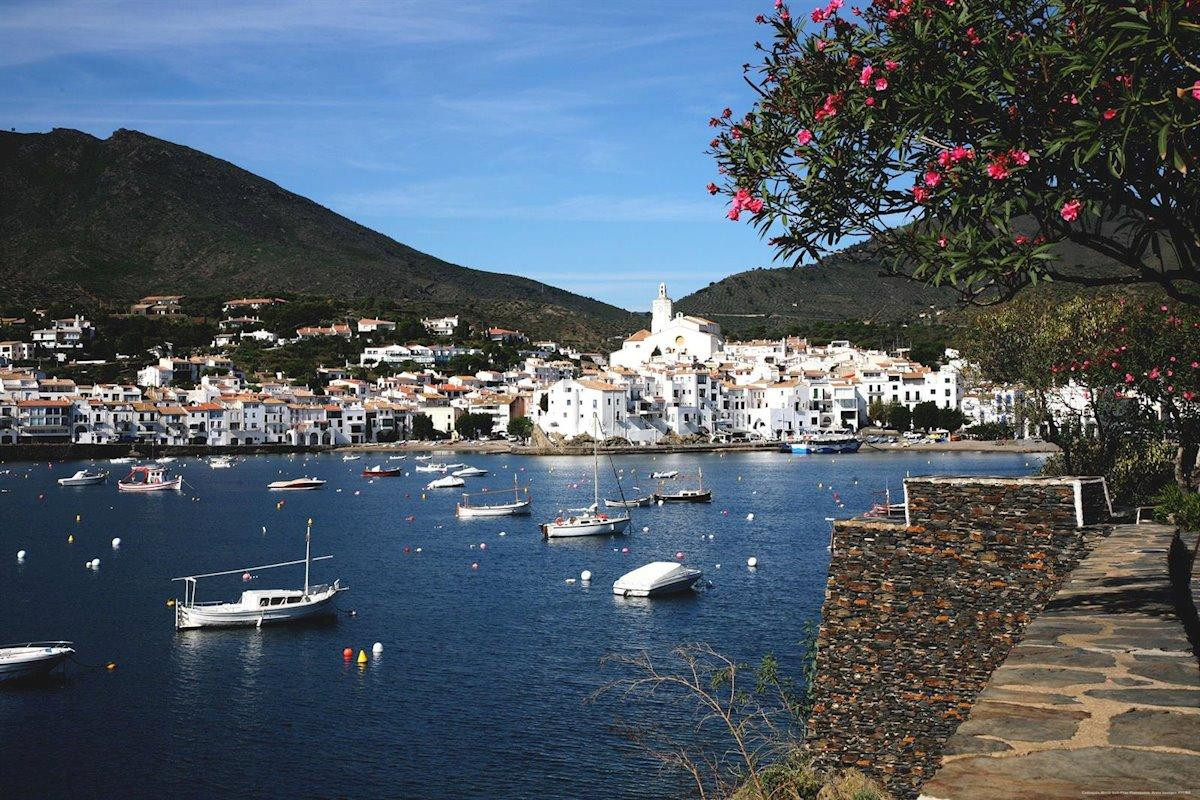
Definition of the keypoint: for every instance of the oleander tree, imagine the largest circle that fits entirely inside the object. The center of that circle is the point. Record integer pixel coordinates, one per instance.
(1149, 353)
(976, 141)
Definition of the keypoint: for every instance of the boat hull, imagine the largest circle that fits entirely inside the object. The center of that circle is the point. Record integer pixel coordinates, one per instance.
(507, 510)
(91, 480)
(27, 663)
(684, 584)
(295, 486)
(234, 615)
(175, 484)
(637, 502)
(701, 497)
(817, 448)
(608, 527)
(382, 473)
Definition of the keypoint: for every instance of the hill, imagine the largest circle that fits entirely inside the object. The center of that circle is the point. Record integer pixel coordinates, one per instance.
(115, 219)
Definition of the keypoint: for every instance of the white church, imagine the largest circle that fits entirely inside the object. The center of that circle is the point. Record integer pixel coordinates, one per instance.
(673, 338)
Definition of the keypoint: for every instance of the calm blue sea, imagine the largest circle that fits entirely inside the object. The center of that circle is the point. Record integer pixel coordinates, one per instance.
(479, 691)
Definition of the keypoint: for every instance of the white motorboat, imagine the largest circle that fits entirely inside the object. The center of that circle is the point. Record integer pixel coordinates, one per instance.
(296, 484)
(259, 606)
(667, 475)
(518, 506)
(431, 468)
(32, 659)
(220, 462)
(446, 482)
(423, 458)
(657, 578)
(469, 472)
(84, 478)
(149, 479)
(590, 521)
(351, 458)
(397, 458)
(120, 461)
(165, 460)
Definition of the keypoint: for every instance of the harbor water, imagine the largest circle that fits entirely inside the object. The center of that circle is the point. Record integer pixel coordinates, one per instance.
(480, 689)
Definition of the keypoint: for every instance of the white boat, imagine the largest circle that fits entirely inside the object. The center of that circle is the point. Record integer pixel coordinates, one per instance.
(350, 458)
(667, 475)
(469, 472)
(258, 606)
(165, 460)
(220, 462)
(629, 502)
(31, 659)
(120, 461)
(84, 478)
(446, 482)
(657, 578)
(296, 484)
(397, 458)
(423, 458)
(590, 521)
(697, 495)
(518, 506)
(430, 468)
(149, 479)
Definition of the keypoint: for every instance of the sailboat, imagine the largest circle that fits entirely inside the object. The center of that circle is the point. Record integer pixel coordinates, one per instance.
(259, 606)
(590, 521)
(518, 506)
(697, 495)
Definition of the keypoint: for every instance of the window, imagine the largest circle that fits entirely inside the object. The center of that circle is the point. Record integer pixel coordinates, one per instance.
(264, 602)
(277, 601)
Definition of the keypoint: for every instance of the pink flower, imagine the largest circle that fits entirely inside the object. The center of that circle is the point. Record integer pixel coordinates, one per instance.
(712, 188)
(920, 194)
(734, 213)
(1070, 210)
(997, 170)
(1019, 157)
(960, 152)
(804, 137)
(943, 158)
(1188, 396)
(881, 84)
(942, 241)
(933, 178)
(1154, 374)
(865, 75)
(760, 19)
(1196, 90)
(1128, 378)
(1020, 238)
(973, 37)
(891, 65)
(1116, 364)
(1109, 114)
(743, 200)
(820, 45)
(727, 113)
(870, 101)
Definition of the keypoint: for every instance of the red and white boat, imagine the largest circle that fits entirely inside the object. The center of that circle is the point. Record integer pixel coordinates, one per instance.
(149, 479)
(379, 471)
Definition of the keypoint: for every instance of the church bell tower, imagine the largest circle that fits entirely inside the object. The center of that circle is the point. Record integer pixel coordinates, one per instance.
(660, 310)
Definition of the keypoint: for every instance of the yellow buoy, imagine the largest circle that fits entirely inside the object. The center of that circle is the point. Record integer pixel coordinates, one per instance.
(110, 666)
(170, 604)
(78, 517)
(70, 538)
(362, 656)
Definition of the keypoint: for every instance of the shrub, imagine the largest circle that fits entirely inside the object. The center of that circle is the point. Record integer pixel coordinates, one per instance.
(1135, 469)
(1175, 506)
(990, 431)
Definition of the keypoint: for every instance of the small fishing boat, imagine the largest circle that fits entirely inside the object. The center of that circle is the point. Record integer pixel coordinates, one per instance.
(469, 472)
(258, 606)
(120, 461)
(296, 484)
(655, 579)
(818, 443)
(84, 478)
(431, 468)
(397, 458)
(422, 458)
(446, 482)
(32, 659)
(518, 506)
(220, 462)
(666, 475)
(379, 471)
(149, 479)
(165, 460)
(696, 495)
(351, 457)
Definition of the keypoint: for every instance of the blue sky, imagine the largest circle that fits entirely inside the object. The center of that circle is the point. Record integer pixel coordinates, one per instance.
(562, 141)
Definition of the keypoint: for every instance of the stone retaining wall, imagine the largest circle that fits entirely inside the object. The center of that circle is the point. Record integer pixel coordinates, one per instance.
(918, 614)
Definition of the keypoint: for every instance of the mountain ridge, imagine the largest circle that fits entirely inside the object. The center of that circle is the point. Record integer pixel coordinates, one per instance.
(132, 214)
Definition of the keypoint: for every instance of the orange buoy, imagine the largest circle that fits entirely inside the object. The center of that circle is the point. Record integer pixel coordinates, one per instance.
(348, 653)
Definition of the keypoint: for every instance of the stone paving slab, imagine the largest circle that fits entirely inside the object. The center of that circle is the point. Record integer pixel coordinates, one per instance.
(1100, 699)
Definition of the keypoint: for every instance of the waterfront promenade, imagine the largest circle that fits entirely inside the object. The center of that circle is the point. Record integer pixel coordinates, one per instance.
(1101, 698)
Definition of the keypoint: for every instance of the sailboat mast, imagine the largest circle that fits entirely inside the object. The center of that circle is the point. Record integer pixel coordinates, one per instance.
(596, 463)
(307, 554)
